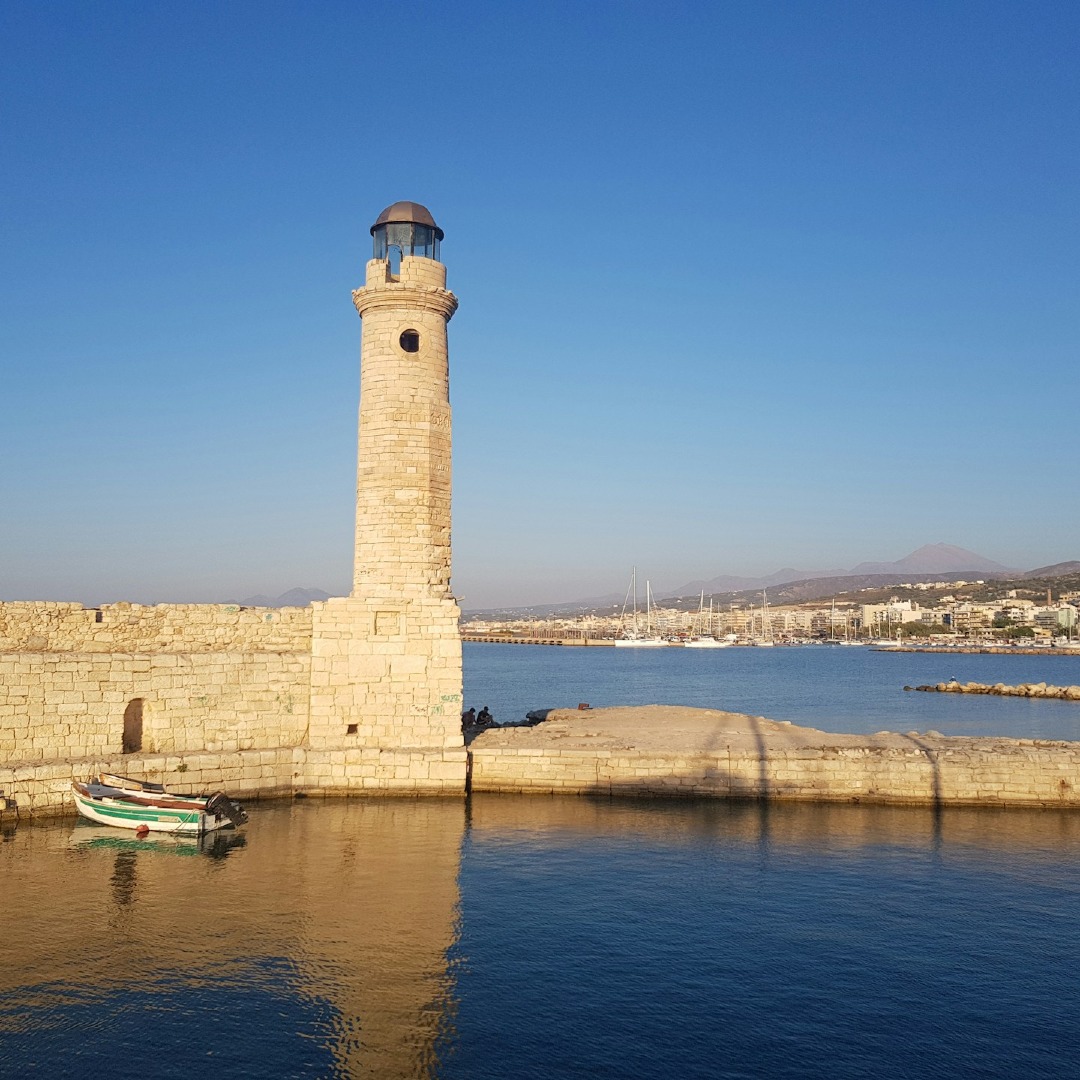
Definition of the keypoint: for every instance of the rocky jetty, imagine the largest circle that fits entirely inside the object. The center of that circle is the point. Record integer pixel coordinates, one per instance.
(666, 750)
(1036, 690)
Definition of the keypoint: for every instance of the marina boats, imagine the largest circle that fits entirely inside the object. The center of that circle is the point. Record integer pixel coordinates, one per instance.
(766, 641)
(705, 638)
(147, 807)
(632, 637)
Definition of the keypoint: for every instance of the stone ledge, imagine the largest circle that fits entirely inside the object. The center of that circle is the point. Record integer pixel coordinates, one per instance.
(660, 750)
(44, 790)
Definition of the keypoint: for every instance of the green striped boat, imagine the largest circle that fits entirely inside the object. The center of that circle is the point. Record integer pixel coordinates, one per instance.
(158, 811)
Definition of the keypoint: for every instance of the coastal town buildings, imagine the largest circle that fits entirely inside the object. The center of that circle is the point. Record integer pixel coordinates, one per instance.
(847, 621)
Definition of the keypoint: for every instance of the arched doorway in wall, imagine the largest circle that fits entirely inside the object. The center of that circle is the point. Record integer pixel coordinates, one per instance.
(133, 717)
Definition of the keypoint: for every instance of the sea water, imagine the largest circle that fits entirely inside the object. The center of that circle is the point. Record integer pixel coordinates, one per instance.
(569, 937)
(849, 689)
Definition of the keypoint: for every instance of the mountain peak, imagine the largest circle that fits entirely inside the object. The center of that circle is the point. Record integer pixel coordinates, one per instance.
(946, 558)
(293, 598)
(940, 558)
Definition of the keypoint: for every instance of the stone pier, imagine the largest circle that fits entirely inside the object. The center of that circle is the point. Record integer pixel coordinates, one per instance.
(674, 751)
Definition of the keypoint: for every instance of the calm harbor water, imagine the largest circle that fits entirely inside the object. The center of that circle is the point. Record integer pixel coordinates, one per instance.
(834, 688)
(543, 937)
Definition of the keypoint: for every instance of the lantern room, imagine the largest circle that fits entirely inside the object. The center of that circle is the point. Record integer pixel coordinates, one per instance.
(406, 228)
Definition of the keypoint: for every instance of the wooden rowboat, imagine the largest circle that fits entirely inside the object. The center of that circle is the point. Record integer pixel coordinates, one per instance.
(129, 783)
(154, 810)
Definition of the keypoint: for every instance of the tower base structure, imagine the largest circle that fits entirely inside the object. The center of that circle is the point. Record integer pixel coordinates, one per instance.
(386, 676)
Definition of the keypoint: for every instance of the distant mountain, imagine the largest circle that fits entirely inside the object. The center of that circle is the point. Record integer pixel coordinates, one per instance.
(787, 585)
(1057, 570)
(929, 559)
(292, 598)
(732, 583)
(797, 592)
(936, 559)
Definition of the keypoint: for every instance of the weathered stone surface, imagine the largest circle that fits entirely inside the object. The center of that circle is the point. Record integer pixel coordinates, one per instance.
(670, 750)
(376, 673)
(46, 626)
(1039, 690)
(44, 790)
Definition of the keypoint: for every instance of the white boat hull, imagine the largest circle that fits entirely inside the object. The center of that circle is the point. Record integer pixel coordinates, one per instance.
(140, 815)
(161, 811)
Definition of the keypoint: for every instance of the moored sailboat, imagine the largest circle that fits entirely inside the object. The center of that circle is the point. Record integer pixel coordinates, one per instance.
(633, 638)
(705, 637)
(766, 640)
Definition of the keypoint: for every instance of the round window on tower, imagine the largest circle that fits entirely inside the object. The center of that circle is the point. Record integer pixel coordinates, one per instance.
(409, 341)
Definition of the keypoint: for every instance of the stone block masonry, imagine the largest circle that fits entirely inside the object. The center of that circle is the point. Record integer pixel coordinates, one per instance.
(386, 662)
(403, 454)
(361, 693)
(44, 790)
(322, 717)
(73, 705)
(43, 626)
(661, 750)
(386, 673)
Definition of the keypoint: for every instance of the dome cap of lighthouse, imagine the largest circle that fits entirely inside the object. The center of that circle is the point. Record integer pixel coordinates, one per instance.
(405, 228)
(410, 213)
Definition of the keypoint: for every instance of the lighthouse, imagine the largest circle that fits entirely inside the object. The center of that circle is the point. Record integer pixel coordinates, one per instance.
(403, 457)
(386, 660)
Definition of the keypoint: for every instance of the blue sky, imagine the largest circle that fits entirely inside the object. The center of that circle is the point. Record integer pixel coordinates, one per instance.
(743, 285)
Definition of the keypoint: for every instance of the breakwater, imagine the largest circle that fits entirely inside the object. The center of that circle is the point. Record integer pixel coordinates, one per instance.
(533, 639)
(1032, 690)
(675, 751)
(988, 650)
(625, 751)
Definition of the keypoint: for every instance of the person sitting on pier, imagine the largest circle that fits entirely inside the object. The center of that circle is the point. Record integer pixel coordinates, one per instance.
(468, 719)
(485, 717)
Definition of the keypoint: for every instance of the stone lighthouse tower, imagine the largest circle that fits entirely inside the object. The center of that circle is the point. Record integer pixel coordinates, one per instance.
(403, 476)
(386, 661)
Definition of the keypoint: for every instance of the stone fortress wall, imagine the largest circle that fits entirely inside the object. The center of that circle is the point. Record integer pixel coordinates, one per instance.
(952, 771)
(46, 626)
(678, 751)
(358, 693)
(242, 720)
(215, 681)
(221, 697)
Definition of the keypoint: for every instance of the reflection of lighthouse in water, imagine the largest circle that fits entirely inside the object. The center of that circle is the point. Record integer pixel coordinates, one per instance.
(378, 940)
(323, 939)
